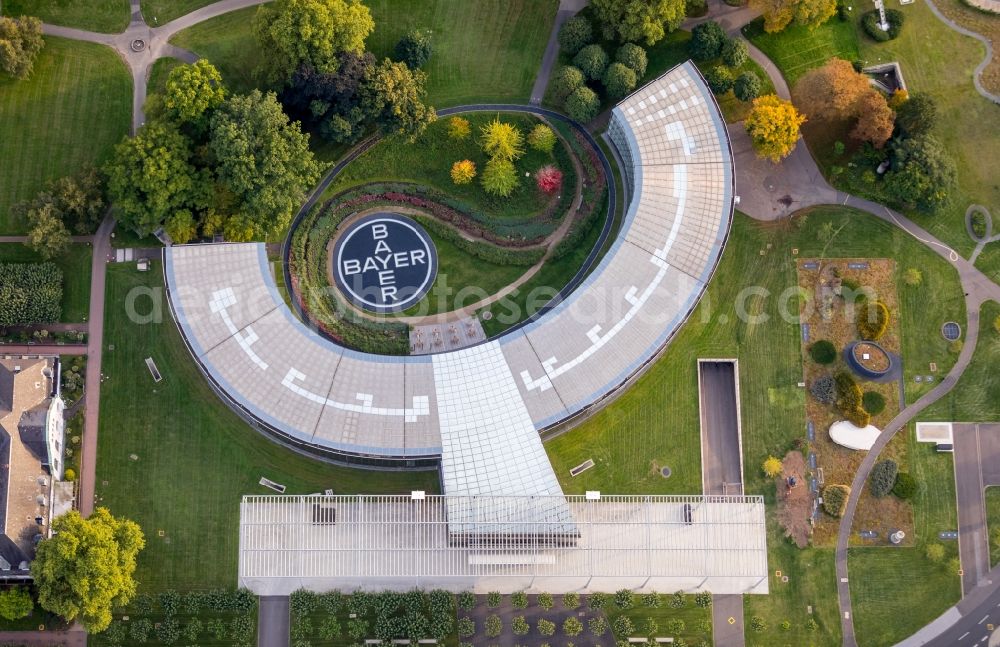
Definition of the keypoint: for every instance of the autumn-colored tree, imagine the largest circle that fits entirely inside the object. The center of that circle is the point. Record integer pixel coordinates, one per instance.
(463, 171)
(458, 128)
(898, 98)
(773, 126)
(500, 177)
(772, 466)
(549, 179)
(875, 119)
(541, 138)
(502, 140)
(831, 91)
(778, 14)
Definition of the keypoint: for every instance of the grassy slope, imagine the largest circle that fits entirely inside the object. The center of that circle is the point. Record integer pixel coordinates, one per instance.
(195, 457)
(483, 51)
(160, 12)
(796, 50)
(993, 521)
(108, 16)
(71, 112)
(656, 422)
(75, 266)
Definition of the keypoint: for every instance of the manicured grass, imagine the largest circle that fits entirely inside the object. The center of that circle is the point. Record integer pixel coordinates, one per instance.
(158, 75)
(160, 12)
(975, 396)
(896, 591)
(108, 16)
(993, 522)
(989, 259)
(75, 266)
(75, 107)
(697, 620)
(656, 422)
(486, 51)
(195, 457)
(796, 50)
(428, 161)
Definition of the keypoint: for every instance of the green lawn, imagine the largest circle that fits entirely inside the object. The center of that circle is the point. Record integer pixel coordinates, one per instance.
(796, 50)
(158, 75)
(993, 522)
(108, 16)
(485, 51)
(989, 259)
(896, 591)
(160, 12)
(75, 107)
(977, 393)
(655, 423)
(195, 458)
(697, 620)
(75, 266)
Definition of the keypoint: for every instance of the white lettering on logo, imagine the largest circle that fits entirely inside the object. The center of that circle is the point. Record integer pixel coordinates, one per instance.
(386, 277)
(380, 231)
(382, 246)
(388, 293)
(352, 266)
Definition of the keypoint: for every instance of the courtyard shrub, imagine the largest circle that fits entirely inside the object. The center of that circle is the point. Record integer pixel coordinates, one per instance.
(572, 626)
(757, 624)
(652, 600)
(695, 8)
(545, 601)
(786, 625)
(466, 601)
(811, 625)
(747, 86)
(582, 104)
(873, 402)
(734, 52)
(873, 320)
(30, 293)
(500, 177)
(677, 600)
(905, 487)
(623, 626)
(541, 138)
(835, 499)
(719, 79)
(624, 599)
(823, 351)
(592, 61)
(466, 627)
(519, 600)
(703, 599)
(140, 630)
(575, 34)
(546, 627)
(571, 600)
(619, 80)
(650, 626)
(849, 396)
(883, 477)
(823, 389)
(598, 600)
(567, 79)
(16, 603)
(913, 277)
(493, 625)
(772, 468)
(357, 628)
(142, 605)
(978, 221)
(330, 629)
(519, 626)
(169, 631)
(463, 171)
(459, 128)
(598, 626)
(116, 633)
(675, 626)
(706, 41)
(935, 552)
(414, 48)
(634, 57)
(493, 599)
(69, 474)
(870, 20)
(170, 602)
(549, 179)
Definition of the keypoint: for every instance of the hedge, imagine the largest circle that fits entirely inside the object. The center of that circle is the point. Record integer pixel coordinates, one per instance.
(872, 320)
(30, 293)
(869, 21)
(823, 351)
(883, 477)
(835, 499)
(873, 402)
(905, 487)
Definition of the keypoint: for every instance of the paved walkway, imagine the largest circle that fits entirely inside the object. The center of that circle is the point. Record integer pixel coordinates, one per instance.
(24, 239)
(567, 9)
(273, 620)
(42, 349)
(71, 638)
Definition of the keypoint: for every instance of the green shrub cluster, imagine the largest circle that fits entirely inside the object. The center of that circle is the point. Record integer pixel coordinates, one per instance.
(387, 616)
(873, 402)
(835, 499)
(824, 389)
(905, 487)
(872, 320)
(883, 477)
(30, 293)
(850, 400)
(823, 351)
(869, 21)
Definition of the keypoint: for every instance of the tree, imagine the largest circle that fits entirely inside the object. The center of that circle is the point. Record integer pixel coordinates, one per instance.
(263, 159)
(502, 140)
(619, 80)
(458, 128)
(917, 115)
(309, 32)
(20, 42)
(150, 176)
(500, 177)
(414, 48)
(638, 20)
(719, 79)
(832, 91)
(875, 119)
(463, 171)
(87, 567)
(772, 466)
(575, 34)
(542, 139)
(394, 97)
(566, 80)
(773, 126)
(747, 86)
(734, 52)
(47, 235)
(706, 41)
(592, 60)
(16, 603)
(315, 96)
(778, 14)
(922, 173)
(582, 105)
(181, 227)
(634, 57)
(80, 198)
(549, 179)
(913, 277)
(193, 92)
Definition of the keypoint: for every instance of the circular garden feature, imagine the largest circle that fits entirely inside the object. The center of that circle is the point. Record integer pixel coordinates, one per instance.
(951, 331)
(868, 359)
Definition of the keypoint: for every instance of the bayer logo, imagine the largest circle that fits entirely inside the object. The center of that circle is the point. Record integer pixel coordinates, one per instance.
(384, 262)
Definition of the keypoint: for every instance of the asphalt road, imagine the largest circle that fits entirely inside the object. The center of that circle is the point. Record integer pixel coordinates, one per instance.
(972, 534)
(273, 622)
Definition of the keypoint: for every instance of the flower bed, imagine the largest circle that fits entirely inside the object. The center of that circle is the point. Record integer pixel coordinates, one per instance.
(871, 357)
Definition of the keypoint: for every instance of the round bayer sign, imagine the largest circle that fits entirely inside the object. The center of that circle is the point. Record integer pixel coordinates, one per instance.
(384, 262)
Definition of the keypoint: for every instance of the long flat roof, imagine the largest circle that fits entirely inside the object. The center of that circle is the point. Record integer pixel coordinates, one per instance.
(504, 543)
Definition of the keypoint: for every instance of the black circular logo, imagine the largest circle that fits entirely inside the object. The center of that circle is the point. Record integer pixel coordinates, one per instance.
(384, 262)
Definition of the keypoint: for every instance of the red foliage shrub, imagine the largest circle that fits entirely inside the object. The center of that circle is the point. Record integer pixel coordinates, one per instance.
(549, 179)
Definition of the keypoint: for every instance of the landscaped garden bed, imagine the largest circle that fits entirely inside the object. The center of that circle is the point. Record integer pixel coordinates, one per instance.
(871, 357)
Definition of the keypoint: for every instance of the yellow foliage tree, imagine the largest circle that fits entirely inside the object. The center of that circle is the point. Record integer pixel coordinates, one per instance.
(772, 466)
(778, 14)
(773, 126)
(502, 140)
(458, 128)
(463, 171)
(898, 98)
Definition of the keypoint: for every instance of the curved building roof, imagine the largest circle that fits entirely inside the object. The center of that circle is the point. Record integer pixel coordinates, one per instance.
(479, 409)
